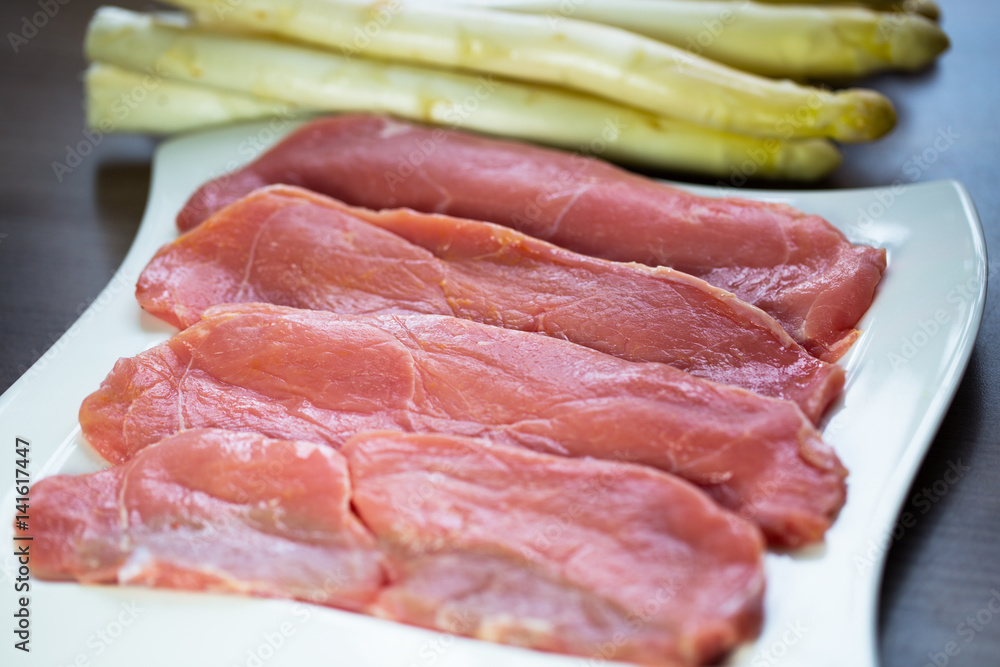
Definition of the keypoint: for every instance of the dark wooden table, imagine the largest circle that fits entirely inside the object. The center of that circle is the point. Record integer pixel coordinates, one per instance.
(63, 234)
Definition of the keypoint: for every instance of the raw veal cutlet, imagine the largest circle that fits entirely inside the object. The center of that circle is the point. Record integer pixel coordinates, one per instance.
(796, 267)
(318, 376)
(292, 247)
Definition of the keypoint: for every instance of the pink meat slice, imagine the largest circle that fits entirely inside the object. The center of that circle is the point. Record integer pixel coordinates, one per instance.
(796, 267)
(322, 377)
(291, 247)
(212, 510)
(601, 559)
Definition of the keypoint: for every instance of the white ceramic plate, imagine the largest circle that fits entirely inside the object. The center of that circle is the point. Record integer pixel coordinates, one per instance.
(821, 604)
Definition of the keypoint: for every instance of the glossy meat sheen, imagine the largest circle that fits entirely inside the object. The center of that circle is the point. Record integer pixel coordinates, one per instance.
(211, 510)
(291, 247)
(318, 376)
(796, 267)
(602, 559)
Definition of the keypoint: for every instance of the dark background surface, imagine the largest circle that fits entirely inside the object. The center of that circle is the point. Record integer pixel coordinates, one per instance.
(61, 241)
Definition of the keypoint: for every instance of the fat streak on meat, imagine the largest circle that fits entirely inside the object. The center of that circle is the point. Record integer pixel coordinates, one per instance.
(216, 511)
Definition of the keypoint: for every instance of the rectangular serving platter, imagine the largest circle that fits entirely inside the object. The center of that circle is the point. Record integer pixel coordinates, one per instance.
(821, 603)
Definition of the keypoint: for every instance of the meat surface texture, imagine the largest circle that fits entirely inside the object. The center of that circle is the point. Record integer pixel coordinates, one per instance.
(597, 558)
(796, 267)
(291, 247)
(322, 377)
(212, 510)
(601, 559)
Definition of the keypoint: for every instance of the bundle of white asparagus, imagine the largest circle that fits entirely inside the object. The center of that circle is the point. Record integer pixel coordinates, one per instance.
(570, 73)
(796, 39)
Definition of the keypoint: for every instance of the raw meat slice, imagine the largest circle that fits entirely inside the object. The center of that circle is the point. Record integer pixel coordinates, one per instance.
(602, 559)
(595, 558)
(318, 376)
(212, 510)
(796, 267)
(291, 247)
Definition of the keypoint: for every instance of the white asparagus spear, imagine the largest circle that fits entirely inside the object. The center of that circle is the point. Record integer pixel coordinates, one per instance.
(601, 60)
(926, 8)
(318, 80)
(120, 100)
(797, 41)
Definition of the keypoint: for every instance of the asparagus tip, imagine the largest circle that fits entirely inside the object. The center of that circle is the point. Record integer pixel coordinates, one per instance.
(867, 115)
(916, 43)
